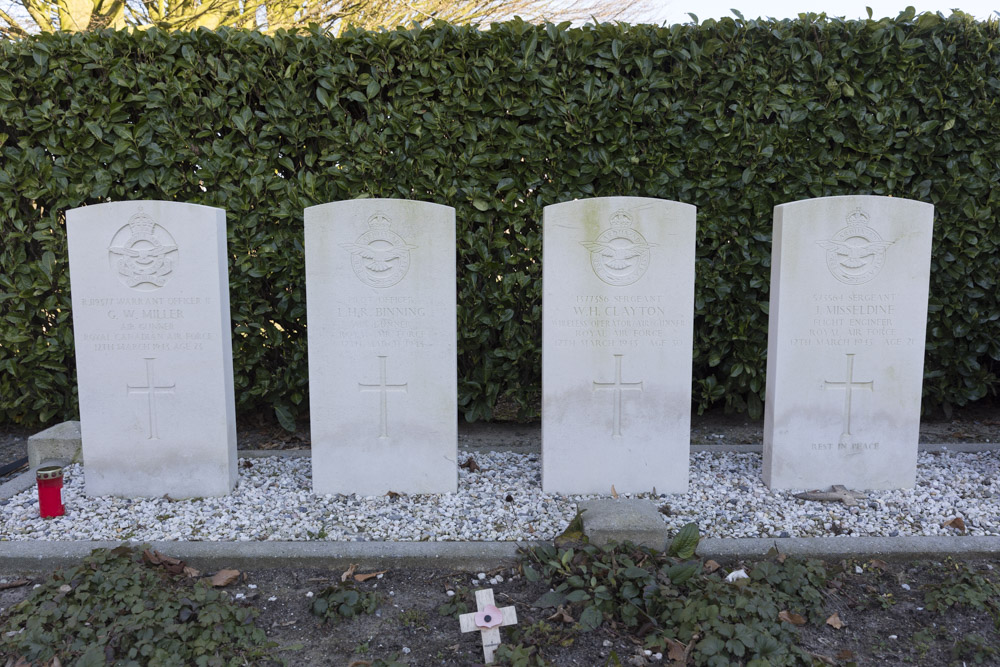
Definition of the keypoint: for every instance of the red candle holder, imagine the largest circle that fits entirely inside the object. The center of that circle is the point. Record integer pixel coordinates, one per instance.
(50, 484)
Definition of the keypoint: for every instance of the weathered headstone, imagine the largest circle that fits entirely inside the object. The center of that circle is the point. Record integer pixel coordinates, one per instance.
(618, 307)
(848, 314)
(380, 282)
(154, 357)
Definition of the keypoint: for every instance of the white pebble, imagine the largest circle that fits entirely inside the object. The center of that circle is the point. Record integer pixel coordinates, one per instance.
(273, 501)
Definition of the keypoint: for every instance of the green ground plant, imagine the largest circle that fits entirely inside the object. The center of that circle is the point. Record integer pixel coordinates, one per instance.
(457, 604)
(114, 608)
(518, 655)
(672, 603)
(415, 619)
(965, 587)
(973, 647)
(344, 600)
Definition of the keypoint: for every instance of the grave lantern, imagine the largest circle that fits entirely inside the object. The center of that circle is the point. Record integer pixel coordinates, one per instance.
(50, 483)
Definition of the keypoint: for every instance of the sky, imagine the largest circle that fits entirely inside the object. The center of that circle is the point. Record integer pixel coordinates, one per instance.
(675, 11)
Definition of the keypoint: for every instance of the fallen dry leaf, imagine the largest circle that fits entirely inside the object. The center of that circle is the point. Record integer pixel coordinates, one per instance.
(175, 568)
(191, 572)
(957, 523)
(470, 465)
(392, 495)
(156, 558)
(781, 558)
(711, 566)
(845, 655)
(561, 616)
(676, 651)
(14, 584)
(368, 575)
(170, 564)
(880, 564)
(614, 494)
(791, 617)
(224, 578)
(349, 572)
(835, 622)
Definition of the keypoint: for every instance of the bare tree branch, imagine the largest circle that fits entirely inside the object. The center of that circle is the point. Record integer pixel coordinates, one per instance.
(269, 15)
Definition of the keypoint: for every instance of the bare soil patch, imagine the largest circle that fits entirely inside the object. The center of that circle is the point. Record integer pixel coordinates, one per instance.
(881, 610)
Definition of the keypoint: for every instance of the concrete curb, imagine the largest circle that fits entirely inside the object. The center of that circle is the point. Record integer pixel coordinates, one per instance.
(959, 447)
(468, 556)
(835, 548)
(34, 556)
(16, 485)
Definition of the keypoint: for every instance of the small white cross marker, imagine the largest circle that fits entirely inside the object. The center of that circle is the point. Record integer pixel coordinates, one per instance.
(488, 620)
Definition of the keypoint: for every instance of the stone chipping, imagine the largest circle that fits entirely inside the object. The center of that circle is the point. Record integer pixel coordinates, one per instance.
(503, 501)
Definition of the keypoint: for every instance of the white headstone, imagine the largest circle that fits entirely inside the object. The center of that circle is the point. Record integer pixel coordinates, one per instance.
(154, 356)
(618, 308)
(383, 392)
(848, 314)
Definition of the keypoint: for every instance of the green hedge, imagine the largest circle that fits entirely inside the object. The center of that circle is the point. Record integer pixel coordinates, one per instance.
(733, 116)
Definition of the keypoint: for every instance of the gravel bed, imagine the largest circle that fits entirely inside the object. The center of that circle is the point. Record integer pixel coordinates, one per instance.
(504, 501)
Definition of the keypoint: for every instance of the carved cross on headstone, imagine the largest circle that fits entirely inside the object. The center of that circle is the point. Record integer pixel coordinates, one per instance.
(151, 389)
(488, 620)
(848, 386)
(383, 387)
(618, 387)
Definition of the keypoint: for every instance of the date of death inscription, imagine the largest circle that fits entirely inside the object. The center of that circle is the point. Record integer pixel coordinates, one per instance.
(386, 322)
(620, 321)
(149, 324)
(854, 319)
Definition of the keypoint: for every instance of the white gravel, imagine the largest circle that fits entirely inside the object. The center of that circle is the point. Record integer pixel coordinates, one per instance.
(504, 501)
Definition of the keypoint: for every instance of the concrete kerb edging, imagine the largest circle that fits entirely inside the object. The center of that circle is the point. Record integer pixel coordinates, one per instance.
(34, 556)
